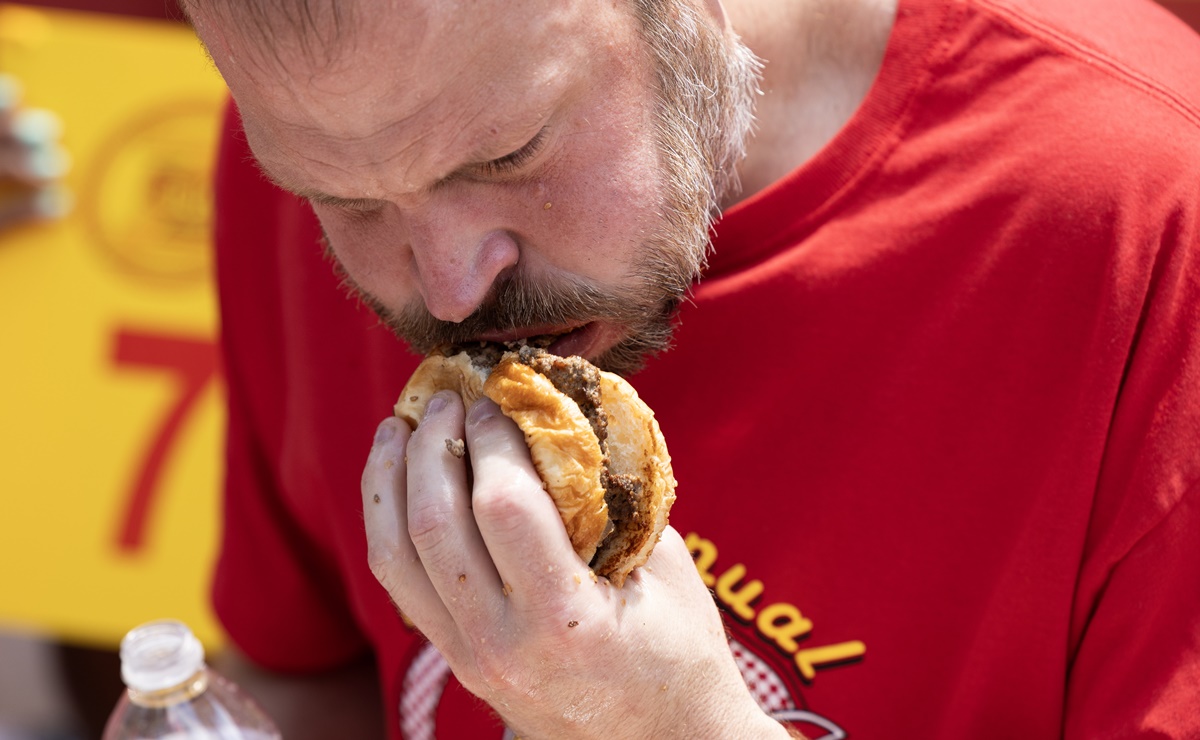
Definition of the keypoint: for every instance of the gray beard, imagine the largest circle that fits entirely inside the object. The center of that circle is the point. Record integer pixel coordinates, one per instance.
(707, 87)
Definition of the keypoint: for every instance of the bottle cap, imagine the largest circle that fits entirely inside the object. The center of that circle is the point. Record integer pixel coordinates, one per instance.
(158, 655)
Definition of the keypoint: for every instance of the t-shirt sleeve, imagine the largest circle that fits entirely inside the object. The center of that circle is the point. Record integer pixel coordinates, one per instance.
(275, 590)
(1137, 673)
(1135, 668)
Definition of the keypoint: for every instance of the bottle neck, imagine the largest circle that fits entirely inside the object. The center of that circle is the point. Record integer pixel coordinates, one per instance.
(196, 685)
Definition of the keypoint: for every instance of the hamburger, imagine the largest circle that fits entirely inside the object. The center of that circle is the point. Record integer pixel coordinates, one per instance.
(595, 445)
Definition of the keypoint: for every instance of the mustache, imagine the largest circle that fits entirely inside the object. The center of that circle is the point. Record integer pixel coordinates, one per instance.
(518, 302)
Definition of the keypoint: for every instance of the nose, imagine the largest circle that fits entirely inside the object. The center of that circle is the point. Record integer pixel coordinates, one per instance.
(458, 259)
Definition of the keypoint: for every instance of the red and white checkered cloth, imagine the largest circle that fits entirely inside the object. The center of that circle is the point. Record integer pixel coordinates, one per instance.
(427, 676)
(765, 684)
(423, 686)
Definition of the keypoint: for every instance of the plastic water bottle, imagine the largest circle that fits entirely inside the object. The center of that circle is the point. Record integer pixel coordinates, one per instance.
(172, 694)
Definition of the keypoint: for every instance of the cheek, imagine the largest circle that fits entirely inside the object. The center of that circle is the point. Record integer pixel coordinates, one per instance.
(605, 204)
(608, 189)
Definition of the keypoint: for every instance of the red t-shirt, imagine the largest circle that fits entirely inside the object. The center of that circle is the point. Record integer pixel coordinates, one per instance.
(934, 409)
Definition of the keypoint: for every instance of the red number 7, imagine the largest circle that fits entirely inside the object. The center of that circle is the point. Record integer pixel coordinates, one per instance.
(194, 362)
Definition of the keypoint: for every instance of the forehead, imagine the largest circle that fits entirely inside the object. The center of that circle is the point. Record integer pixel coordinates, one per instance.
(414, 79)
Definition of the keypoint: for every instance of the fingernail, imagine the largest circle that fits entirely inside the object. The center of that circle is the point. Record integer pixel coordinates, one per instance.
(436, 403)
(482, 410)
(385, 431)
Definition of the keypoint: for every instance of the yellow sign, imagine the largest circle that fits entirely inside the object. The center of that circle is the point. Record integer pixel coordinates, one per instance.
(109, 387)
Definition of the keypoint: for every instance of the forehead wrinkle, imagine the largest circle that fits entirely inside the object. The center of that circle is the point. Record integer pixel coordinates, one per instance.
(468, 122)
(401, 156)
(320, 170)
(406, 157)
(347, 131)
(278, 160)
(384, 139)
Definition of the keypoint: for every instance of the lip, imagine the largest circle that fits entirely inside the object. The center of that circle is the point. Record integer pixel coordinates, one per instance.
(528, 332)
(587, 340)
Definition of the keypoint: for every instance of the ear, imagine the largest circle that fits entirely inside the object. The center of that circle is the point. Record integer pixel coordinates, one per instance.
(716, 10)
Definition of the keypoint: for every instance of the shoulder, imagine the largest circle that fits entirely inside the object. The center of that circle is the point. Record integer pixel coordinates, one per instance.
(1087, 109)
(1137, 41)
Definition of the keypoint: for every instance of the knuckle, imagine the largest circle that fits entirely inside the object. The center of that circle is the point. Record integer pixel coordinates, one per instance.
(503, 505)
(384, 562)
(495, 673)
(428, 523)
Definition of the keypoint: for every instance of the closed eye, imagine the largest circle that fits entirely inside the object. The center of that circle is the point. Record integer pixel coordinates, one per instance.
(513, 162)
(353, 205)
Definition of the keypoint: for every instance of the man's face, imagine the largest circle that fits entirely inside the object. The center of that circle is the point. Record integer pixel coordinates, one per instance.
(492, 173)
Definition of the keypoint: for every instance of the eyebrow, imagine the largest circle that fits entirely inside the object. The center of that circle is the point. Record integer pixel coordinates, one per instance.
(316, 196)
(311, 194)
(337, 201)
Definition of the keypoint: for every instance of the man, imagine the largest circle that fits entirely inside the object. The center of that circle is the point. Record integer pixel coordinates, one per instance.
(932, 405)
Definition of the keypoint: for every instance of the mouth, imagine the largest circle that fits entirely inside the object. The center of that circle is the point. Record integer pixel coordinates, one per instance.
(588, 340)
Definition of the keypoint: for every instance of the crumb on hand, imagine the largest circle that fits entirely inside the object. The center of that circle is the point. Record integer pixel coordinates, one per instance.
(456, 447)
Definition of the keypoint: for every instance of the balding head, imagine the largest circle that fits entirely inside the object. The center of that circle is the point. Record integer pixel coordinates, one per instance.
(315, 28)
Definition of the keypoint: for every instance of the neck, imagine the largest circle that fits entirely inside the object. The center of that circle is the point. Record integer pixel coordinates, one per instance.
(820, 59)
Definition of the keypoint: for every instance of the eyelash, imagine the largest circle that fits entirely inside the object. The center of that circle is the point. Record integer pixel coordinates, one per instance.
(355, 211)
(512, 162)
(357, 206)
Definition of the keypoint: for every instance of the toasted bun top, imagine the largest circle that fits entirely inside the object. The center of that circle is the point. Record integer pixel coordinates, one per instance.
(565, 451)
(567, 454)
(563, 446)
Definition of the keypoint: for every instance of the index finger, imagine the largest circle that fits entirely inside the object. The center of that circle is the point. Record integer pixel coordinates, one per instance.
(390, 554)
(519, 522)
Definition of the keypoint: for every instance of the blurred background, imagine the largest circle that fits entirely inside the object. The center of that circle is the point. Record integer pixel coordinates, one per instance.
(110, 388)
(110, 391)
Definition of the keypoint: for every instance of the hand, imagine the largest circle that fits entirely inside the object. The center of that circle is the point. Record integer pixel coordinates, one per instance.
(32, 162)
(473, 551)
